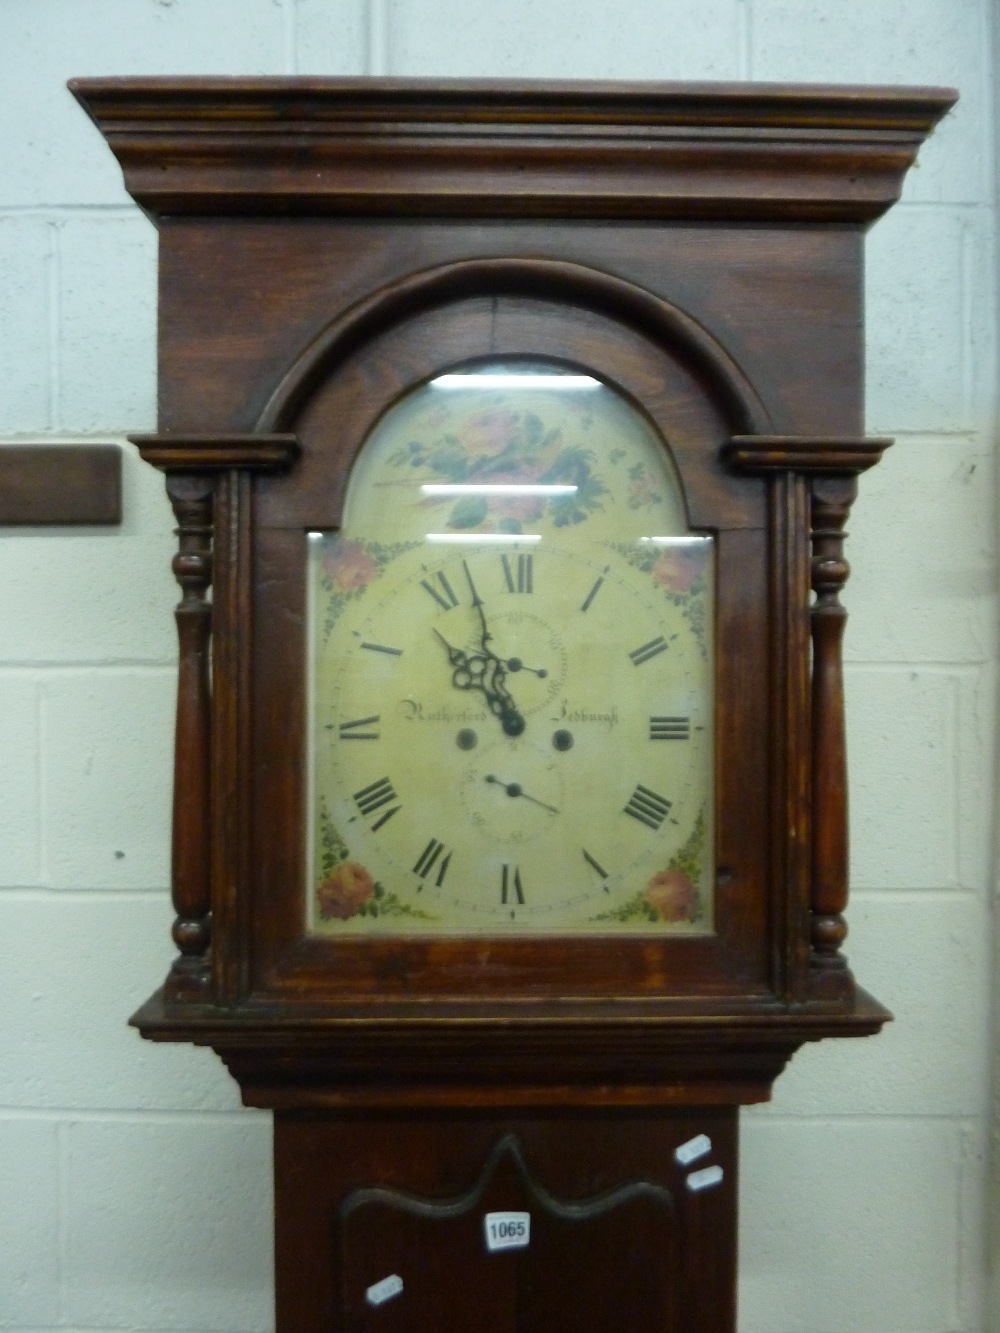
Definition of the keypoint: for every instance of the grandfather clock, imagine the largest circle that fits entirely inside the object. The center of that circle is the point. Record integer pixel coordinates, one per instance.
(511, 432)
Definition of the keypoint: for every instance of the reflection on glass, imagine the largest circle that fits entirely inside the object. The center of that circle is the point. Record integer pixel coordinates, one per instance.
(483, 538)
(485, 488)
(549, 381)
(511, 667)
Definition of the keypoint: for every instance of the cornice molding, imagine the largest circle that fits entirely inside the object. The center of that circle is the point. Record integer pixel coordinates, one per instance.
(398, 148)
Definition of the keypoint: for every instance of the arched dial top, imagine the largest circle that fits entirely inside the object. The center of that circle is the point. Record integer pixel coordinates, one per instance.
(511, 665)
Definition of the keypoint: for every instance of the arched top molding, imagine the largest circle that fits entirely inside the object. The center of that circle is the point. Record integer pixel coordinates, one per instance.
(660, 322)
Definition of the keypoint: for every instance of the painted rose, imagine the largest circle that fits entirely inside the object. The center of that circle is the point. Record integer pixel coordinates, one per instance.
(350, 566)
(344, 893)
(490, 433)
(642, 493)
(523, 508)
(672, 896)
(678, 569)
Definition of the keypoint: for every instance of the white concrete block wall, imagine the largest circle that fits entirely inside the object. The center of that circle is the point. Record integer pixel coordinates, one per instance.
(908, 1112)
(134, 1192)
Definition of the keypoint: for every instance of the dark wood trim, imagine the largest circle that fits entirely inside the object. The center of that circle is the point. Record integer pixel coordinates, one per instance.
(600, 1054)
(829, 468)
(207, 483)
(219, 452)
(849, 455)
(790, 703)
(537, 280)
(407, 148)
(60, 484)
(230, 765)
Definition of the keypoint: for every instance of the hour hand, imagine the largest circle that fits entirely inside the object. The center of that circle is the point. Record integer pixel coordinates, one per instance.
(456, 657)
(470, 672)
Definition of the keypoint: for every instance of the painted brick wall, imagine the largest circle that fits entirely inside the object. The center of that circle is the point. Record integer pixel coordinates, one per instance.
(134, 1193)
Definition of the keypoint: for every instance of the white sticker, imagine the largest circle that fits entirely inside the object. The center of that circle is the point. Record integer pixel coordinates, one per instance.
(694, 1148)
(704, 1179)
(507, 1231)
(380, 1292)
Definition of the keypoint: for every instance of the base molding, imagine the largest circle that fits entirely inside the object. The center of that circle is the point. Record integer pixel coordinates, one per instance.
(604, 1055)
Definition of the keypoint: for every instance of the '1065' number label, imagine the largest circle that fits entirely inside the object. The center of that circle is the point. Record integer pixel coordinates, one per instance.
(507, 1231)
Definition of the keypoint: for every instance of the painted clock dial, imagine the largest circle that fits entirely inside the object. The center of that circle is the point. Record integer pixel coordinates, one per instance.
(511, 666)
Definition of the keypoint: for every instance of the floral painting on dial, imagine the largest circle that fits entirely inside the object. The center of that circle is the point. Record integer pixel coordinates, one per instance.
(672, 894)
(346, 888)
(347, 568)
(476, 440)
(680, 569)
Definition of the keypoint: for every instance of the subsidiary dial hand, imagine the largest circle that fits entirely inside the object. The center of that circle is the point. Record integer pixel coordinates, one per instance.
(515, 789)
(515, 664)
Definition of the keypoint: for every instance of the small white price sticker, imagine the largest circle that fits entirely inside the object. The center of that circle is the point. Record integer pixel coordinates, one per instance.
(694, 1148)
(704, 1179)
(507, 1231)
(380, 1292)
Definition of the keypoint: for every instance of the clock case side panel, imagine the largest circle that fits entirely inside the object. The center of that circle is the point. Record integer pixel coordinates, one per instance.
(747, 962)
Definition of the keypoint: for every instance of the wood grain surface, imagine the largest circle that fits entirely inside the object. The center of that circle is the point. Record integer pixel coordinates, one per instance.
(53, 485)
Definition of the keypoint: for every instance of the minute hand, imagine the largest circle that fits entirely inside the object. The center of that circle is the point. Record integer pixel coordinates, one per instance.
(498, 697)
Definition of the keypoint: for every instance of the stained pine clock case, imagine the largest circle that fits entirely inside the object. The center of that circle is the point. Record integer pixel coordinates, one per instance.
(511, 433)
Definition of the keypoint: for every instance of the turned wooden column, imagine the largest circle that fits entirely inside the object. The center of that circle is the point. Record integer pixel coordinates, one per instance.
(829, 470)
(831, 500)
(193, 467)
(191, 495)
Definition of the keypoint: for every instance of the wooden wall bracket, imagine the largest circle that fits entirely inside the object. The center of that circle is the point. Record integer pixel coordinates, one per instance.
(60, 484)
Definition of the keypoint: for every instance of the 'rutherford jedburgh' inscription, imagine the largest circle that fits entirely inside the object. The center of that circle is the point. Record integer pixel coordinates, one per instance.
(609, 720)
(414, 711)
